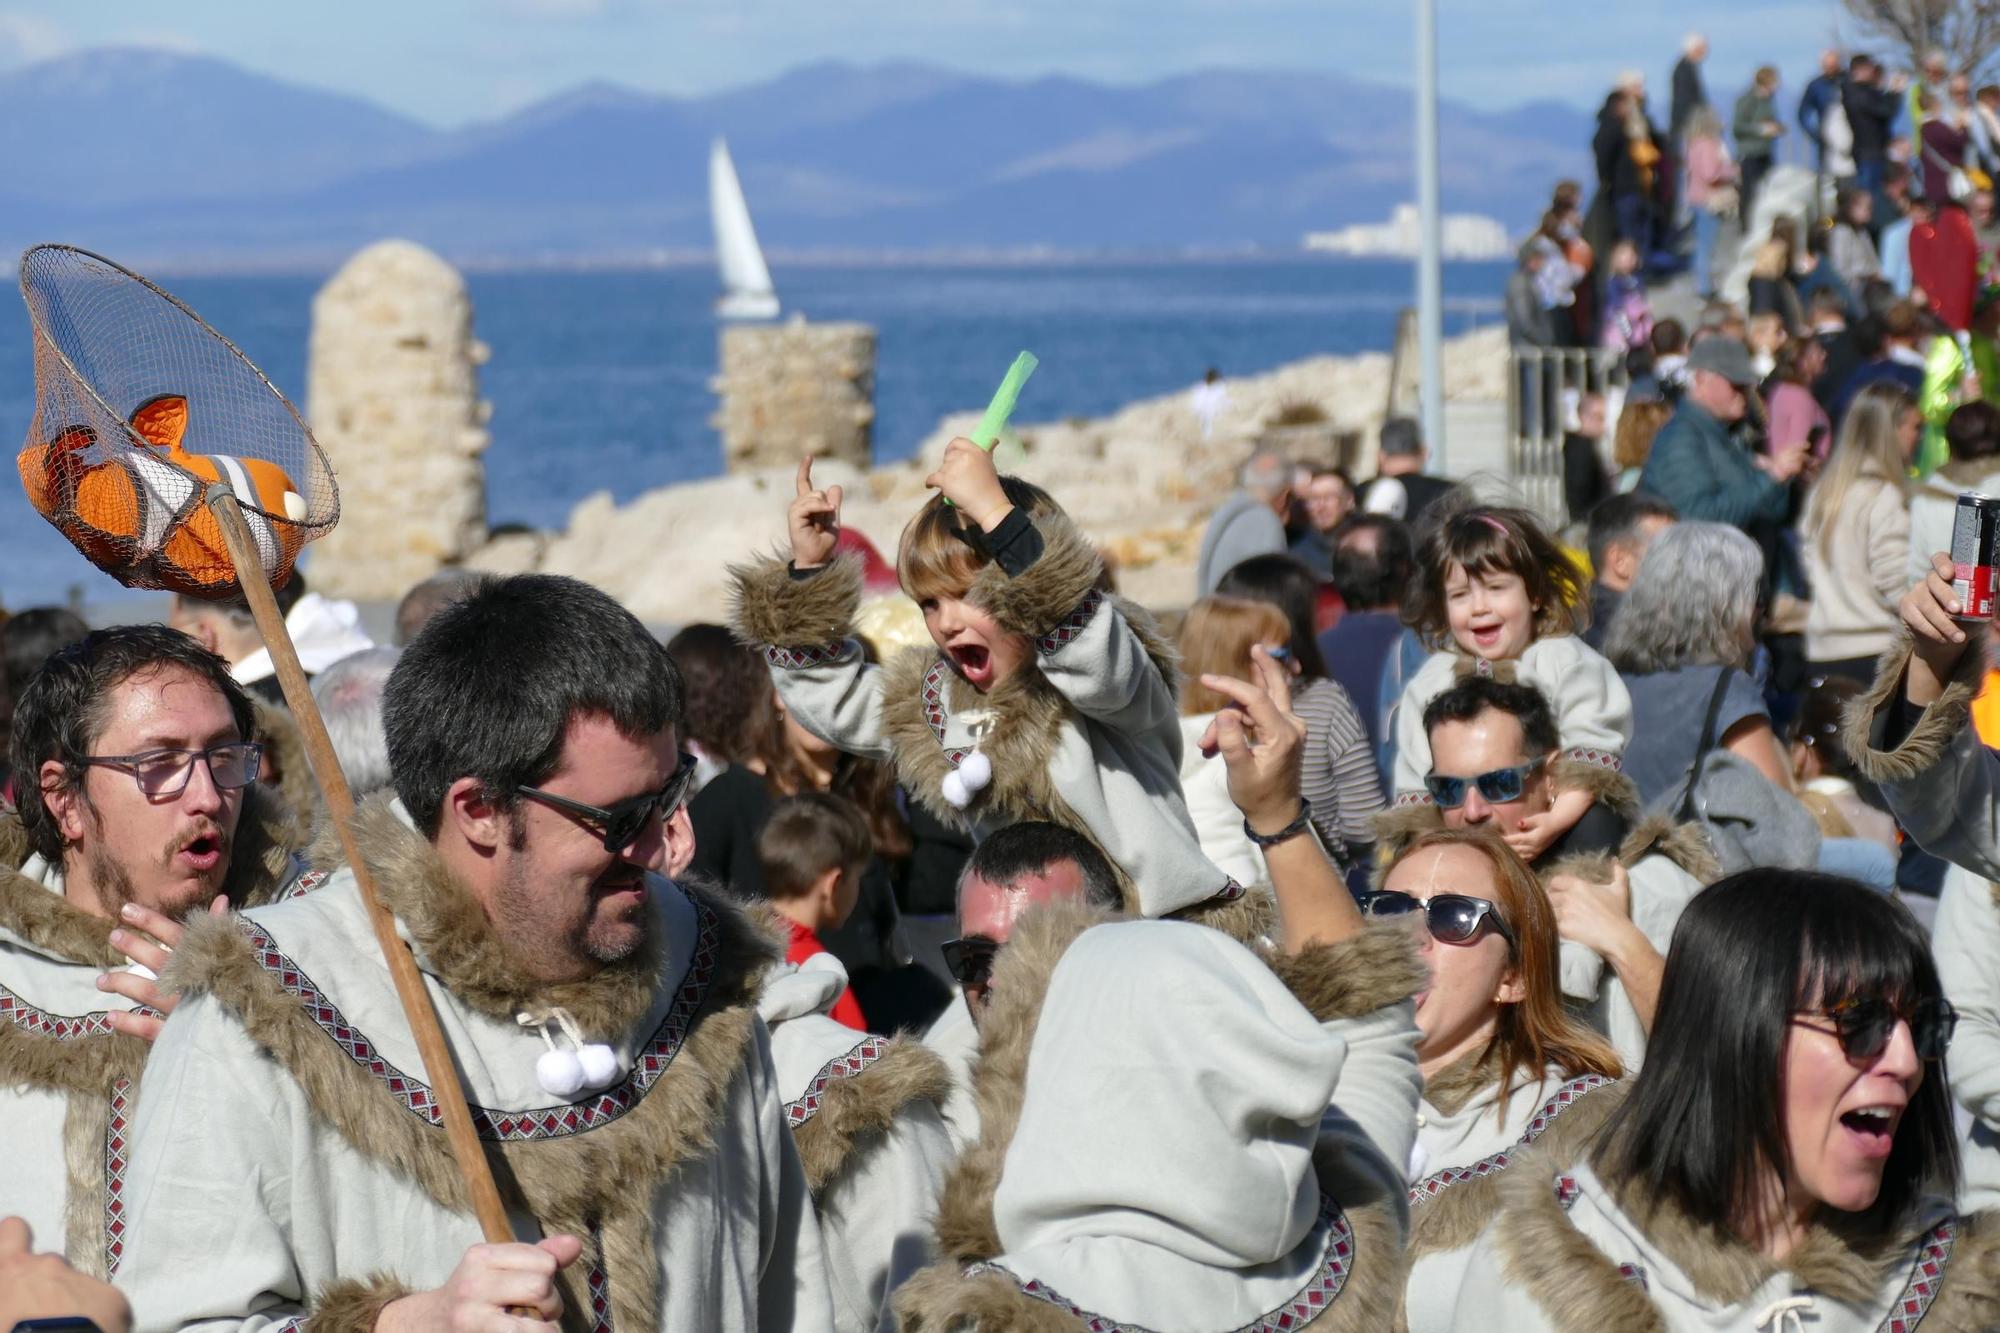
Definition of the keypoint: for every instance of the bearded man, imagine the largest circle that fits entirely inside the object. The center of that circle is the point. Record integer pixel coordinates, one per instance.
(289, 1162)
(132, 757)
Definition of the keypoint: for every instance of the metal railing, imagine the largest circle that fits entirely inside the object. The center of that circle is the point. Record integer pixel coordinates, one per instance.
(1543, 385)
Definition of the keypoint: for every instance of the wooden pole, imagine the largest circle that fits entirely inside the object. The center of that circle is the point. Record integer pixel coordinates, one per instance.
(438, 1067)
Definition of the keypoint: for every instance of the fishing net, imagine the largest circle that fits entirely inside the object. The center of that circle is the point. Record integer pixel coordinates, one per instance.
(140, 407)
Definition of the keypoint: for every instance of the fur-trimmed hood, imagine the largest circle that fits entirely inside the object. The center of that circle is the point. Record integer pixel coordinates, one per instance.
(597, 1181)
(1652, 835)
(295, 787)
(856, 1111)
(1355, 977)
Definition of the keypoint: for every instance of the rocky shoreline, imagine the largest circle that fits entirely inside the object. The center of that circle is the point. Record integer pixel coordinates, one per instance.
(1141, 481)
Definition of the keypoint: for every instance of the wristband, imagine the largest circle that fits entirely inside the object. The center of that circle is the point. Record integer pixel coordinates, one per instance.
(1285, 834)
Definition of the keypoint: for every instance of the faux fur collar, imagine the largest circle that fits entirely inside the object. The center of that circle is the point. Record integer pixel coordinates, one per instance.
(856, 1113)
(455, 942)
(260, 865)
(296, 789)
(1460, 1081)
(1581, 1288)
(597, 1183)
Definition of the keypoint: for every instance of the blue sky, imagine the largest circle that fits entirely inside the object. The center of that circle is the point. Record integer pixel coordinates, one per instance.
(452, 61)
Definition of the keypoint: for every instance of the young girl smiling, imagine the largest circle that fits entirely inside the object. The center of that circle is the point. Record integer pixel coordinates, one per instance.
(1498, 598)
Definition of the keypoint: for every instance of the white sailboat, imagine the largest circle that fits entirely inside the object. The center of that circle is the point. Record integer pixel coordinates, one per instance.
(746, 280)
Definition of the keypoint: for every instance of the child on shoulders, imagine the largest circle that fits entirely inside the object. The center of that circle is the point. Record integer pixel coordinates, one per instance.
(1495, 596)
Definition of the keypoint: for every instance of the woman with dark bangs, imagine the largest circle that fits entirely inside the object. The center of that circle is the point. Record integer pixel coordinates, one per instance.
(1784, 1161)
(1504, 1064)
(1495, 596)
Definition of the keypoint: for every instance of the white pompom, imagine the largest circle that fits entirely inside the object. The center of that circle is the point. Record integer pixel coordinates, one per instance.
(600, 1065)
(977, 770)
(560, 1073)
(955, 790)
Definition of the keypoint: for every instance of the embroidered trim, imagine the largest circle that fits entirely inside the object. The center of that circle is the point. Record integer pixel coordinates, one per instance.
(597, 1283)
(1596, 758)
(549, 1122)
(63, 1027)
(116, 1144)
(1567, 1191)
(1926, 1277)
(934, 709)
(1305, 1305)
(1635, 1274)
(1483, 668)
(807, 655)
(1406, 799)
(1072, 624)
(304, 884)
(1561, 1100)
(846, 1065)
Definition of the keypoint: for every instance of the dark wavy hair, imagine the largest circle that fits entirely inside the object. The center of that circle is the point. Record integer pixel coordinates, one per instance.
(1706, 1116)
(729, 711)
(1486, 539)
(1282, 581)
(63, 709)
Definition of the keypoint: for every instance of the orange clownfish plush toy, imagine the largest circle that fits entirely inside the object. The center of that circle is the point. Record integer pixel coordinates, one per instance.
(145, 510)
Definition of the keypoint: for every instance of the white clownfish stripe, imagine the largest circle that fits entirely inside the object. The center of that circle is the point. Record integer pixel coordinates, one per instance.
(260, 527)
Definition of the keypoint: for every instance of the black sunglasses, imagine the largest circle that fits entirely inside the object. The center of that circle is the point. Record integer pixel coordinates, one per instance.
(1499, 786)
(1451, 918)
(621, 825)
(969, 960)
(1865, 1024)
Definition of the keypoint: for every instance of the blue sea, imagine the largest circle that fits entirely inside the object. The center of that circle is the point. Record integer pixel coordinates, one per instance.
(600, 380)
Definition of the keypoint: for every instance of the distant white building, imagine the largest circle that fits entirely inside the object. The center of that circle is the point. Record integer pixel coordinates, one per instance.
(1466, 236)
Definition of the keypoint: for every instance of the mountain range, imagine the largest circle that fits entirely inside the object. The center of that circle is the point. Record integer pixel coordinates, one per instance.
(158, 156)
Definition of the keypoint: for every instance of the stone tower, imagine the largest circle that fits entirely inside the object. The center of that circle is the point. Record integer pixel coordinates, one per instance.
(393, 394)
(794, 389)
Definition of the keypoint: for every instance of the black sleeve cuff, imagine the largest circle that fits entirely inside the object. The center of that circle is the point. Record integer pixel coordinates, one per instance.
(801, 575)
(1015, 543)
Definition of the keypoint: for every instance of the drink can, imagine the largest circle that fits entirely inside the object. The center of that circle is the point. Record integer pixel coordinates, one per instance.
(1973, 535)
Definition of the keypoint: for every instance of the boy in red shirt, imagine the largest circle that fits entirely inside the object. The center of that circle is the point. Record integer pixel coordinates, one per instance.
(813, 849)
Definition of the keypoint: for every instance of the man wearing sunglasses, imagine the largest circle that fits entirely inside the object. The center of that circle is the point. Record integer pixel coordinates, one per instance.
(1023, 866)
(602, 1017)
(138, 810)
(1617, 897)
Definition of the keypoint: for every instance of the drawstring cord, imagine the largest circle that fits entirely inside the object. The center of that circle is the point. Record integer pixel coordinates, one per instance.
(564, 1073)
(1787, 1315)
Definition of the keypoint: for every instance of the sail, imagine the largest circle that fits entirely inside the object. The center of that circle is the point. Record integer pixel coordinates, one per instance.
(746, 281)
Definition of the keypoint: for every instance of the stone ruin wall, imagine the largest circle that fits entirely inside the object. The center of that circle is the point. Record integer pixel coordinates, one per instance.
(393, 397)
(793, 389)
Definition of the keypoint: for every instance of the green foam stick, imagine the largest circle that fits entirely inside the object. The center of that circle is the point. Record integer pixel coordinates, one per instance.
(987, 433)
(1002, 407)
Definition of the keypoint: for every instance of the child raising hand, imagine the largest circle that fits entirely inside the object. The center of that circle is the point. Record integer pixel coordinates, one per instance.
(1041, 698)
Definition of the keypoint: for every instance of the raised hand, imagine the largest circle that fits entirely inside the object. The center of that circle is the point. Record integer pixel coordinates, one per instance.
(1937, 640)
(813, 520)
(147, 938)
(969, 480)
(1261, 740)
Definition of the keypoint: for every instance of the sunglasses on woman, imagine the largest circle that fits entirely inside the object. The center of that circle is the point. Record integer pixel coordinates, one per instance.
(620, 825)
(1451, 918)
(1864, 1025)
(1497, 787)
(969, 960)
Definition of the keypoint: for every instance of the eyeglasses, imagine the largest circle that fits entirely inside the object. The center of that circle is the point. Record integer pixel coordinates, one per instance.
(621, 825)
(168, 772)
(1864, 1025)
(1451, 918)
(970, 960)
(1499, 786)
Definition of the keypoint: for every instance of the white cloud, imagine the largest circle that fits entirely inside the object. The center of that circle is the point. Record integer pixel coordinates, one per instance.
(27, 38)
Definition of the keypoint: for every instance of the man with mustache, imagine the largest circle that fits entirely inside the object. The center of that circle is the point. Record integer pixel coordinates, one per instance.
(289, 1161)
(137, 809)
